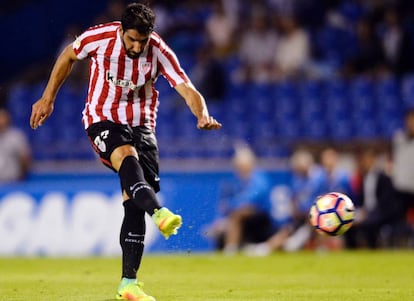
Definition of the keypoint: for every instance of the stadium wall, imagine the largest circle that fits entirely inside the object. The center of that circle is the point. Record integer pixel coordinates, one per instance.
(80, 215)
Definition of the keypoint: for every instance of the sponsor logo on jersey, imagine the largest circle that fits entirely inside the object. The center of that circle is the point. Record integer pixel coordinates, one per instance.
(124, 83)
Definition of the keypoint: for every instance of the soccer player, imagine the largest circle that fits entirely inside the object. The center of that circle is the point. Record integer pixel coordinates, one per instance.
(120, 116)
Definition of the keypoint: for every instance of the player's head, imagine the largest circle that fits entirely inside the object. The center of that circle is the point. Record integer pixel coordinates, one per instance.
(137, 24)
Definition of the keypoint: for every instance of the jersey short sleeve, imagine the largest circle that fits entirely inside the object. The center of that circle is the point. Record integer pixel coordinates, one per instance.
(81, 46)
(169, 65)
(89, 41)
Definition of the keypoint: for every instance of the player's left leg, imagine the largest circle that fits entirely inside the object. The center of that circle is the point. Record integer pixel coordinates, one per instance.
(132, 244)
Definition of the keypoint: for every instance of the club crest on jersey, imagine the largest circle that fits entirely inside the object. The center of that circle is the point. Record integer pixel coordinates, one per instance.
(145, 67)
(77, 43)
(124, 83)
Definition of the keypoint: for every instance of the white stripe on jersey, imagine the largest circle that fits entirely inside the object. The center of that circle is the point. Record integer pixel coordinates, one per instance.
(120, 88)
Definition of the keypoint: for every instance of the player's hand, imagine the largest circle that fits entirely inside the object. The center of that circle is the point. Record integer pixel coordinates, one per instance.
(208, 123)
(41, 110)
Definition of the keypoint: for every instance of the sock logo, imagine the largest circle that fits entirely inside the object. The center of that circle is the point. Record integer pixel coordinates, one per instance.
(137, 187)
(134, 235)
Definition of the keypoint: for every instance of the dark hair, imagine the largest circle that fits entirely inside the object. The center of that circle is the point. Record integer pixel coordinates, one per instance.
(139, 17)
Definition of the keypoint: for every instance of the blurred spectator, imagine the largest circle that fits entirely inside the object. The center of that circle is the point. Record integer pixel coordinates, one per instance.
(257, 49)
(220, 28)
(15, 159)
(292, 52)
(164, 19)
(209, 76)
(113, 12)
(380, 206)
(244, 207)
(339, 179)
(403, 162)
(368, 58)
(396, 43)
(309, 181)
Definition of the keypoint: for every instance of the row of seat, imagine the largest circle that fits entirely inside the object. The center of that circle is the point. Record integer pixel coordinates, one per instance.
(267, 116)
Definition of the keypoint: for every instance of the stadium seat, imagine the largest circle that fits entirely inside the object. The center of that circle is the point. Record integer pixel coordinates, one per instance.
(340, 130)
(19, 103)
(365, 129)
(362, 98)
(387, 87)
(407, 90)
(260, 103)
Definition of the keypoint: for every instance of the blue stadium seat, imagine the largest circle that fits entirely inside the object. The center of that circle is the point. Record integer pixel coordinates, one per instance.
(387, 87)
(365, 129)
(407, 90)
(19, 104)
(260, 103)
(288, 129)
(315, 129)
(340, 130)
(264, 130)
(334, 45)
(362, 98)
(388, 125)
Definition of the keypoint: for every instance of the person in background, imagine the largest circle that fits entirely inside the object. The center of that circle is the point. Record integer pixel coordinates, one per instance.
(396, 43)
(15, 159)
(220, 28)
(368, 59)
(209, 75)
(380, 205)
(403, 164)
(257, 49)
(293, 50)
(244, 207)
(339, 180)
(308, 182)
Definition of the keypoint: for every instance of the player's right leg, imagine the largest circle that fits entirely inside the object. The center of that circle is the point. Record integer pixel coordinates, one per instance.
(168, 223)
(132, 290)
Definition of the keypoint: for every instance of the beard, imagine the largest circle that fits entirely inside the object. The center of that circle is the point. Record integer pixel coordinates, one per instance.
(132, 54)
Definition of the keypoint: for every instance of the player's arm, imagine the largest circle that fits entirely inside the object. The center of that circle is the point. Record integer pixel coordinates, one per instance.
(43, 108)
(198, 107)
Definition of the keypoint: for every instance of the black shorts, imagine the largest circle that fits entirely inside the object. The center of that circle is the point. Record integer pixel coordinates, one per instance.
(106, 136)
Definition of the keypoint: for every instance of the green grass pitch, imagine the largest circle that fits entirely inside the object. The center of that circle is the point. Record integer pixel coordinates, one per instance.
(303, 276)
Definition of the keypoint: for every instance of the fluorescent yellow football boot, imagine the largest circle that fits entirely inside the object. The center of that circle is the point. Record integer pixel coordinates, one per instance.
(130, 289)
(168, 223)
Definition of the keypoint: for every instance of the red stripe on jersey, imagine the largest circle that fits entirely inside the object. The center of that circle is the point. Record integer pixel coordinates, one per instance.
(154, 95)
(92, 85)
(172, 61)
(92, 38)
(118, 98)
(105, 89)
(176, 69)
(142, 102)
(154, 100)
(130, 97)
(118, 89)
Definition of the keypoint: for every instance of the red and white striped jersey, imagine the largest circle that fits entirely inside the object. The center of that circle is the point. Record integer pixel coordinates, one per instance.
(121, 89)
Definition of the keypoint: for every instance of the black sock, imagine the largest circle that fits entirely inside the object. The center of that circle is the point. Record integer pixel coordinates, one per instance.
(132, 239)
(134, 184)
